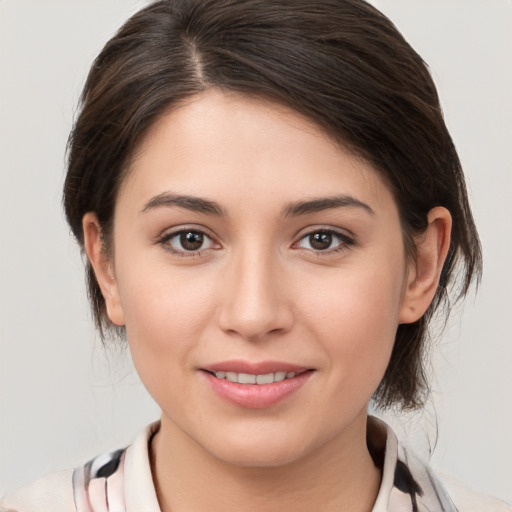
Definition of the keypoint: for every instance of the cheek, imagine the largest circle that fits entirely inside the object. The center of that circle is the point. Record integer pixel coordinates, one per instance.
(356, 317)
(165, 316)
(164, 313)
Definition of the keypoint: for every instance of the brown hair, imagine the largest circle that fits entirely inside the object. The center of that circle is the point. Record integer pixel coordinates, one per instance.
(340, 63)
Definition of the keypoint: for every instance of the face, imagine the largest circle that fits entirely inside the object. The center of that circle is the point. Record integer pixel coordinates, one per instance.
(249, 247)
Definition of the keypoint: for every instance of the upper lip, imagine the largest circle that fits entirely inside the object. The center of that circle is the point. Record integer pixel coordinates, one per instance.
(254, 368)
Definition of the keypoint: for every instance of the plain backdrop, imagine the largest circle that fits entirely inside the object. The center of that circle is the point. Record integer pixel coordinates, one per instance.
(63, 398)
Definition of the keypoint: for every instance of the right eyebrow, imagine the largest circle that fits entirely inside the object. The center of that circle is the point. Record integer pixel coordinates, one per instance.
(195, 204)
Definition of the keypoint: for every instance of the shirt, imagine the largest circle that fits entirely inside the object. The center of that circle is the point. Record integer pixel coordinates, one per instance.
(121, 481)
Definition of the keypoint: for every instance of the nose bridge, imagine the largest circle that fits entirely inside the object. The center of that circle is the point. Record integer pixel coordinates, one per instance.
(255, 301)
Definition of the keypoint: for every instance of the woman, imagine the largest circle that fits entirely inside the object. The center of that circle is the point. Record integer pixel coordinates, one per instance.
(272, 210)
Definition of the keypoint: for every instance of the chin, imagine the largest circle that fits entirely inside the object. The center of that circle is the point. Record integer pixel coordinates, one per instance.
(260, 450)
(260, 457)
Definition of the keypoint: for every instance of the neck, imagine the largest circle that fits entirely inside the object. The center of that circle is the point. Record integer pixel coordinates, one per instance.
(340, 475)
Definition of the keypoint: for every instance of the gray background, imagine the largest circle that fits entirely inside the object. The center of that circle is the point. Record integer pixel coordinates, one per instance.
(63, 399)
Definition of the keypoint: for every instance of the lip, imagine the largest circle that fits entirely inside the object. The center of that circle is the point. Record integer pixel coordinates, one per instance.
(255, 396)
(259, 368)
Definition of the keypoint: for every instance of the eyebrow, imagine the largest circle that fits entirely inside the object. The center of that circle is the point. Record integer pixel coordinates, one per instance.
(325, 203)
(195, 204)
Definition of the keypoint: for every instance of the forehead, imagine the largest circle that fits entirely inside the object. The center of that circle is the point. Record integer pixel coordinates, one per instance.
(231, 144)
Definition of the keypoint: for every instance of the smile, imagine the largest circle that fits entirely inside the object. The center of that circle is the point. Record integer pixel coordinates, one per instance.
(248, 378)
(256, 386)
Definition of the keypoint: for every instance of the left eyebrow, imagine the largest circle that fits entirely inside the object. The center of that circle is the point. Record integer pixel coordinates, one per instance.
(325, 203)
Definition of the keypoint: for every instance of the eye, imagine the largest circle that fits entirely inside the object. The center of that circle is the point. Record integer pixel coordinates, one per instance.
(324, 240)
(187, 241)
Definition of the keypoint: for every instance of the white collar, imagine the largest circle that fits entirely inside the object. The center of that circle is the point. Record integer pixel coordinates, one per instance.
(407, 484)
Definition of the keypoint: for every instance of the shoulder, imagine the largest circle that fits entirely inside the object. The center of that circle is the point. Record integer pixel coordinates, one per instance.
(410, 483)
(87, 486)
(467, 500)
(52, 492)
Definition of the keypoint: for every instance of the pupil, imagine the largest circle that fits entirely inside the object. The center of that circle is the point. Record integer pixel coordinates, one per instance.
(191, 241)
(320, 241)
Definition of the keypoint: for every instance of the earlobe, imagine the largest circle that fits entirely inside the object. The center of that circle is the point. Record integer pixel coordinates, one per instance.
(102, 266)
(423, 278)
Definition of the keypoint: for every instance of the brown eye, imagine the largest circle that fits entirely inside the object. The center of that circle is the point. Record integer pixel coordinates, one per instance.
(191, 240)
(320, 241)
(325, 240)
(187, 242)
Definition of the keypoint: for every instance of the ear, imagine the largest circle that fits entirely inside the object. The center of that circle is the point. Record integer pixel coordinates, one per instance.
(103, 267)
(423, 277)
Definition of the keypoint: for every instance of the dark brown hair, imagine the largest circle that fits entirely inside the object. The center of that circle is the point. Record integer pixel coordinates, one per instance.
(340, 63)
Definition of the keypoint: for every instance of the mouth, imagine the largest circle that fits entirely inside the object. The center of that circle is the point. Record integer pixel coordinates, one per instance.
(256, 385)
(255, 379)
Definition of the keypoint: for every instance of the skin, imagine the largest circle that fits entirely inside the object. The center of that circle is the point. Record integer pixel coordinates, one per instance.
(258, 290)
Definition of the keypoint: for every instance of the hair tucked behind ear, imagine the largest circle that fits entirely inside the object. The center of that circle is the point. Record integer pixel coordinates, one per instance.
(340, 63)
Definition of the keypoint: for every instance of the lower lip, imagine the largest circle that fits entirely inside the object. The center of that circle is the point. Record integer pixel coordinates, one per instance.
(256, 396)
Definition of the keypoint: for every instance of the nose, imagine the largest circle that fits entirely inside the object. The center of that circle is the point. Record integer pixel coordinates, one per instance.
(255, 301)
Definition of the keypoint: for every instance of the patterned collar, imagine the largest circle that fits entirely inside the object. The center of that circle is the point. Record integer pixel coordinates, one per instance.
(121, 481)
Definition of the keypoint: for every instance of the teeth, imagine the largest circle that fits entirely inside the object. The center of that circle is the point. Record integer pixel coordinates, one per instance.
(268, 378)
(232, 376)
(248, 378)
(279, 376)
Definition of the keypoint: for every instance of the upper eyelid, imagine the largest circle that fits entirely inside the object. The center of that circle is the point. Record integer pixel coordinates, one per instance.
(345, 241)
(342, 232)
(165, 239)
(168, 233)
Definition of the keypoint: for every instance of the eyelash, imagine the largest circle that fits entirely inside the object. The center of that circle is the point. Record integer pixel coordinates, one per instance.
(165, 241)
(344, 240)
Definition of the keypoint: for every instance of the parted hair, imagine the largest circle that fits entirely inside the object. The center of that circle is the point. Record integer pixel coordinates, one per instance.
(341, 64)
